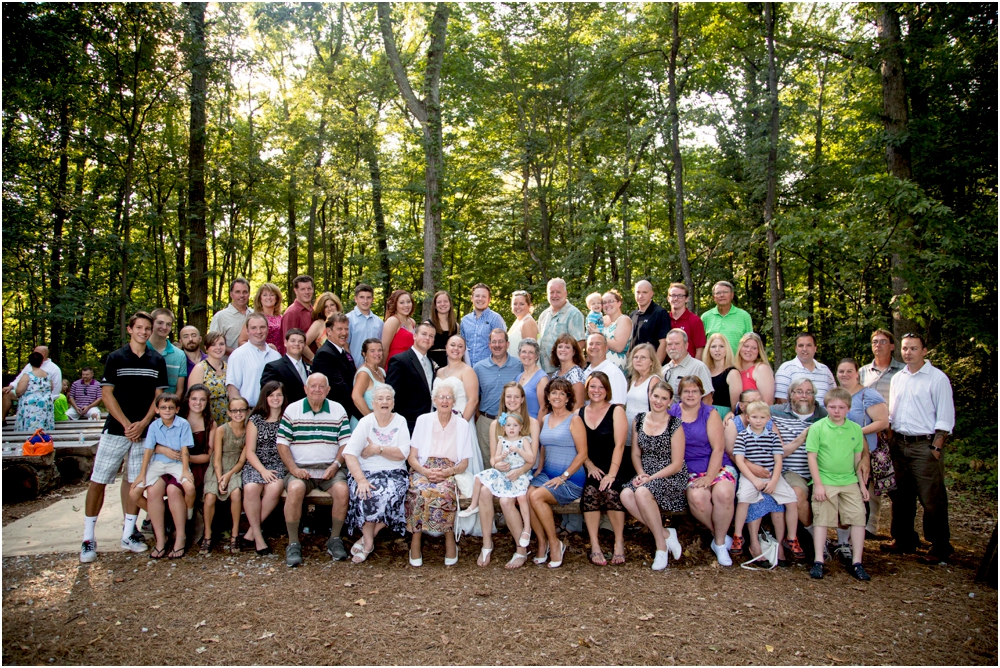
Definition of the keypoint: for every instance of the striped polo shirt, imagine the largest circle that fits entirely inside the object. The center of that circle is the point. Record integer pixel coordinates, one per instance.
(314, 437)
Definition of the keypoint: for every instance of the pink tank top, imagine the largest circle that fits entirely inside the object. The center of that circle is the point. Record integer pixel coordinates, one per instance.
(748, 380)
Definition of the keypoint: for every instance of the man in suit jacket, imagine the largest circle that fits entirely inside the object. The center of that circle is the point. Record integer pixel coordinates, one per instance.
(411, 374)
(334, 360)
(291, 370)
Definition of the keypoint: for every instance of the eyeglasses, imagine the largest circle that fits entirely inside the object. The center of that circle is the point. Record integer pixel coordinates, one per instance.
(238, 410)
(676, 296)
(804, 393)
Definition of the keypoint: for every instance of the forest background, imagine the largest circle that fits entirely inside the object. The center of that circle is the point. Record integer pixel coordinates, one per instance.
(837, 162)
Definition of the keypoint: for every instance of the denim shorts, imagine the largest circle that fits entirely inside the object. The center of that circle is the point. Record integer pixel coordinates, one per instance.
(564, 494)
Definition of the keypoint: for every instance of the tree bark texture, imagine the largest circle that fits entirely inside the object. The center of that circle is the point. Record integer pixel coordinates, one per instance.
(772, 185)
(675, 147)
(197, 303)
(428, 113)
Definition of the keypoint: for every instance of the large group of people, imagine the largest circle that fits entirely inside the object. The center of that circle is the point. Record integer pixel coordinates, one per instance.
(657, 411)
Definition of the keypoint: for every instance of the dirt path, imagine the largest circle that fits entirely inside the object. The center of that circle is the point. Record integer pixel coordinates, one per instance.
(221, 609)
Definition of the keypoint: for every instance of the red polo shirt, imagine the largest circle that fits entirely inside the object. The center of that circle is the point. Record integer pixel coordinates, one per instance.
(299, 316)
(693, 327)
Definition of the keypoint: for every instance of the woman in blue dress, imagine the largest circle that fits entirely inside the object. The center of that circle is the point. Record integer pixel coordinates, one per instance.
(560, 476)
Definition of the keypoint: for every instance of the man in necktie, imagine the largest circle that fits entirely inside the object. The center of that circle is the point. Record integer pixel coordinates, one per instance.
(335, 362)
(291, 370)
(411, 374)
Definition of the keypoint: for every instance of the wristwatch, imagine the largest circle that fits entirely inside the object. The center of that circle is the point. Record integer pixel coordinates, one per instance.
(566, 474)
(934, 447)
(381, 448)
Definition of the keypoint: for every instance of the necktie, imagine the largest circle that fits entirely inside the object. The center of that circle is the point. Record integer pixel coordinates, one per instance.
(429, 371)
(302, 370)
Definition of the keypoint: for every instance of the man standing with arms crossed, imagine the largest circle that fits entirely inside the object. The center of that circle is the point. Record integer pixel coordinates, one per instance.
(134, 376)
(921, 414)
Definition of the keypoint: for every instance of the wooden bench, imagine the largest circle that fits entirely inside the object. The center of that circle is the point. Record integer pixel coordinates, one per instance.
(318, 497)
(75, 446)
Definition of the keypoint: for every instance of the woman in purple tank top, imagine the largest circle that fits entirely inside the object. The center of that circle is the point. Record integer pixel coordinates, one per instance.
(712, 485)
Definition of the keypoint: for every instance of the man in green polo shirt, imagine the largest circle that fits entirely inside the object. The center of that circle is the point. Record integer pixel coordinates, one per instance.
(726, 319)
(163, 323)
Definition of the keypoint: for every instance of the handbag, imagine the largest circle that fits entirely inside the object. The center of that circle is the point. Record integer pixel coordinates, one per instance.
(38, 444)
(883, 473)
(768, 554)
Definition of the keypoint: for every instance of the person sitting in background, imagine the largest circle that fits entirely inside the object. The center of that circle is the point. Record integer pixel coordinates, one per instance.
(35, 404)
(84, 397)
(54, 374)
(61, 404)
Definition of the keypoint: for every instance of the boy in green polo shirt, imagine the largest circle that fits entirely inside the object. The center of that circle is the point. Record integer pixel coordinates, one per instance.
(834, 445)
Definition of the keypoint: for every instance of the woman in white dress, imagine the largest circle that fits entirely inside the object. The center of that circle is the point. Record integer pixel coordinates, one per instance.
(643, 367)
(524, 327)
(618, 329)
(465, 385)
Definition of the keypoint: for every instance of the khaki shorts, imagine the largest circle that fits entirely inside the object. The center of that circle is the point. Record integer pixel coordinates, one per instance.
(156, 469)
(796, 480)
(747, 493)
(319, 483)
(844, 499)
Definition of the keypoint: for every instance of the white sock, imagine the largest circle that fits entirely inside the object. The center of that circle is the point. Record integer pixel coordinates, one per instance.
(190, 513)
(843, 536)
(89, 524)
(129, 525)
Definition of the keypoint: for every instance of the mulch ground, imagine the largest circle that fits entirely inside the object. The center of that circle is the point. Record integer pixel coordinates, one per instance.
(244, 609)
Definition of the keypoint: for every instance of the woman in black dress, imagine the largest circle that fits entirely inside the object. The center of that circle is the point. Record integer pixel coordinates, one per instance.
(661, 476)
(607, 426)
(445, 327)
(264, 472)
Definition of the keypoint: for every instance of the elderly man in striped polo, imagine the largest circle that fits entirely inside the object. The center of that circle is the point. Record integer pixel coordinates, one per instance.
(311, 440)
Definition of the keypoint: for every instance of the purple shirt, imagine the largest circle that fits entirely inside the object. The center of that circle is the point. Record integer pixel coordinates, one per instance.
(697, 449)
(191, 364)
(84, 395)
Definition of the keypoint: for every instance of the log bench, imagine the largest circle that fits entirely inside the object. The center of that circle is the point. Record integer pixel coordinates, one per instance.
(24, 478)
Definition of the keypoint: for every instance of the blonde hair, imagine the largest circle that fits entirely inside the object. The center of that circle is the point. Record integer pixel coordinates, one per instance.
(591, 296)
(319, 306)
(706, 356)
(757, 407)
(525, 425)
(655, 369)
(274, 290)
(761, 353)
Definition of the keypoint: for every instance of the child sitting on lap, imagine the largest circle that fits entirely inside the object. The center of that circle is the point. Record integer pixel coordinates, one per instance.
(761, 446)
(161, 475)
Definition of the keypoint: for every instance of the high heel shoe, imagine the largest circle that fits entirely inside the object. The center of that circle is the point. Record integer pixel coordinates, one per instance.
(451, 561)
(541, 559)
(562, 556)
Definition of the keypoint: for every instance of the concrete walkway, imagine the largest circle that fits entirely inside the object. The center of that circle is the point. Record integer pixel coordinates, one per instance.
(59, 527)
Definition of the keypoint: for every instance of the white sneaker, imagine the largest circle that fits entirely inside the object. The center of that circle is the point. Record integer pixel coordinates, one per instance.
(133, 544)
(673, 544)
(88, 552)
(660, 560)
(722, 553)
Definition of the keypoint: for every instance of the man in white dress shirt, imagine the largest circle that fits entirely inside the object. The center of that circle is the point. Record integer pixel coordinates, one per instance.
(921, 414)
(597, 354)
(246, 364)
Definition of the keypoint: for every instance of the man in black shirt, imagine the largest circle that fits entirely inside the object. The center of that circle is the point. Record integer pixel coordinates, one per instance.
(650, 322)
(133, 377)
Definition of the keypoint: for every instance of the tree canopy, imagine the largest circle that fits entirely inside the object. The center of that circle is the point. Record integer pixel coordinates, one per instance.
(559, 135)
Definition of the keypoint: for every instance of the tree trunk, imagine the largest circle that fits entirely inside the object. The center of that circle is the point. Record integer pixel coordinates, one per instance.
(428, 113)
(675, 146)
(293, 238)
(58, 221)
(897, 147)
(197, 305)
(772, 185)
(375, 172)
